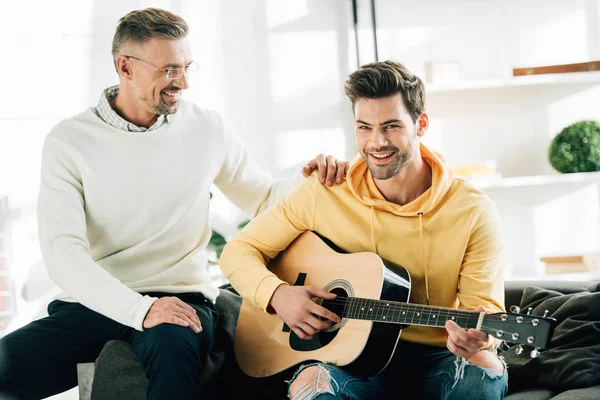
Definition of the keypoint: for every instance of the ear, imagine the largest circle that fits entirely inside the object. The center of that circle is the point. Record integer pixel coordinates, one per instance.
(123, 65)
(422, 124)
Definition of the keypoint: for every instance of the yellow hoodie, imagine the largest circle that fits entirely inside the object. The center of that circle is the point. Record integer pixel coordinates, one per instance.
(449, 239)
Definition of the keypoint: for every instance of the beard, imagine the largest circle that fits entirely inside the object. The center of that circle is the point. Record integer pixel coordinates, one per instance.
(398, 160)
(161, 107)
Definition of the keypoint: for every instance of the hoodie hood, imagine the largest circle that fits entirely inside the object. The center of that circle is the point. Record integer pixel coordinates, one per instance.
(362, 186)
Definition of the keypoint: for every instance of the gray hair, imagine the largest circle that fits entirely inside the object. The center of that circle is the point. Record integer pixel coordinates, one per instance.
(139, 26)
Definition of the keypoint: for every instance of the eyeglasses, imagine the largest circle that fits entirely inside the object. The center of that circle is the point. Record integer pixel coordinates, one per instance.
(173, 73)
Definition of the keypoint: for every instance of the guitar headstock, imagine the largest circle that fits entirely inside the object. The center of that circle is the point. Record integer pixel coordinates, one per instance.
(522, 329)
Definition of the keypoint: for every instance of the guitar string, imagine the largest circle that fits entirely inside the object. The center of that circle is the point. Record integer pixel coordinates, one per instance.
(397, 307)
(411, 307)
(492, 331)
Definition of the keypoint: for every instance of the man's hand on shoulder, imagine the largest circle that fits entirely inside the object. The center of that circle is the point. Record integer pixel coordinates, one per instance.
(172, 310)
(330, 169)
(295, 307)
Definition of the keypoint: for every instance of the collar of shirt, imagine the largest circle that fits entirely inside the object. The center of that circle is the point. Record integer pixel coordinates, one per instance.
(105, 111)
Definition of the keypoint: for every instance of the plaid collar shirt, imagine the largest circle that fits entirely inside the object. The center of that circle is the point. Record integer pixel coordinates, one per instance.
(105, 111)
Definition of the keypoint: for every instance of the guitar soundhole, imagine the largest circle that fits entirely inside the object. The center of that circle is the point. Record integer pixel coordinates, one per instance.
(324, 337)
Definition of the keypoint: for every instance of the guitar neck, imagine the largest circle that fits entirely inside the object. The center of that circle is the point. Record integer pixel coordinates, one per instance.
(408, 314)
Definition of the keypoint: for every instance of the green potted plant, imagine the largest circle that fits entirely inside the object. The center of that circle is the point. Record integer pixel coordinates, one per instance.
(576, 148)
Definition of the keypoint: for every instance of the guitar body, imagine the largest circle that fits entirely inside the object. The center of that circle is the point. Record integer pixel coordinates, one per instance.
(265, 346)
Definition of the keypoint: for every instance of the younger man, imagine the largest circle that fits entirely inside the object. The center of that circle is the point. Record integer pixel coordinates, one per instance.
(402, 202)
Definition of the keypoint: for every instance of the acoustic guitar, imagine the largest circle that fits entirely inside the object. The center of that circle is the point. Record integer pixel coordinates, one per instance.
(372, 300)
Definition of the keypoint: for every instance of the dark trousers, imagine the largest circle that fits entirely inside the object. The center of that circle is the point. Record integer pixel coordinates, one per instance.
(40, 359)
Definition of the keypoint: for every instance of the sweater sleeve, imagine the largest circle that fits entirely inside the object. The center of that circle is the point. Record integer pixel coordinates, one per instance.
(244, 259)
(481, 280)
(65, 247)
(243, 182)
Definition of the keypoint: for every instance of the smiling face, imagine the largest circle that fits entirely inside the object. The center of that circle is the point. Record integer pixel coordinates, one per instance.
(148, 81)
(386, 136)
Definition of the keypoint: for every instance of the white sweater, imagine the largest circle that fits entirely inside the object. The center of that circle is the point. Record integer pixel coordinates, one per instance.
(121, 213)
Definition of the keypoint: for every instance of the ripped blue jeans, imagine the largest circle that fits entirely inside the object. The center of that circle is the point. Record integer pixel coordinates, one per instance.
(415, 372)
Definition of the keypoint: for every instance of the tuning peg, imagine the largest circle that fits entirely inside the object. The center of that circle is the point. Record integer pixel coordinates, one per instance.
(546, 312)
(515, 309)
(535, 352)
(529, 310)
(503, 346)
(519, 350)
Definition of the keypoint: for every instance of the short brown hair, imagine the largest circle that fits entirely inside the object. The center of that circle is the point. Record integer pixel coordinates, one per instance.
(386, 78)
(140, 26)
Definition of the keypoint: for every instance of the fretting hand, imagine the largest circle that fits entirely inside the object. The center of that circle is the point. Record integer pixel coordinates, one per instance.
(468, 343)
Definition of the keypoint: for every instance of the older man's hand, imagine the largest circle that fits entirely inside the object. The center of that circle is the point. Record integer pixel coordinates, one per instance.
(330, 169)
(172, 310)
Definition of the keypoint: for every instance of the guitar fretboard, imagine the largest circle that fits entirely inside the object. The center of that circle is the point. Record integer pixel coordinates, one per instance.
(406, 313)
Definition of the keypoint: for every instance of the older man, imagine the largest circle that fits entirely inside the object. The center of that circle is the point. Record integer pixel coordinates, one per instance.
(124, 222)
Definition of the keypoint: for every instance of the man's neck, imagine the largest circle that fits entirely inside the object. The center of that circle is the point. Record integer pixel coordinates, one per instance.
(127, 107)
(408, 184)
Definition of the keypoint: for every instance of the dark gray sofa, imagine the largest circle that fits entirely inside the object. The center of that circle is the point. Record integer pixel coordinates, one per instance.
(117, 373)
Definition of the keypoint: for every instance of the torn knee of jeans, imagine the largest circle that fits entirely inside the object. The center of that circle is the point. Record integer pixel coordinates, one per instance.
(461, 363)
(495, 374)
(310, 381)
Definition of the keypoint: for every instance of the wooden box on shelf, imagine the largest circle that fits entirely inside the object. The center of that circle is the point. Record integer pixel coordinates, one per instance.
(571, 264)
(558, 69)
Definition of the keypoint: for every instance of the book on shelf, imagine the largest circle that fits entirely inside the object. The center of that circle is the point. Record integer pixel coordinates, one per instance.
(558, 69)
(571, 264)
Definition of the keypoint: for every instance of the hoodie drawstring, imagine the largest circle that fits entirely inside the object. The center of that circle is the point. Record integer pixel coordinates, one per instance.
(373, 243)
(420, 214)
(423, 262)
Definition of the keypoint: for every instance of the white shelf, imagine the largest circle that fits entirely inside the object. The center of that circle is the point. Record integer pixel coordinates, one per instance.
(518, 81)
(535, 189)
(579, 276)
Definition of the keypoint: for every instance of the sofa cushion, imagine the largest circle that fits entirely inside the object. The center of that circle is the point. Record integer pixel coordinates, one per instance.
(592, 393)
(531, 394)
(573, 359)
(118, 371)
